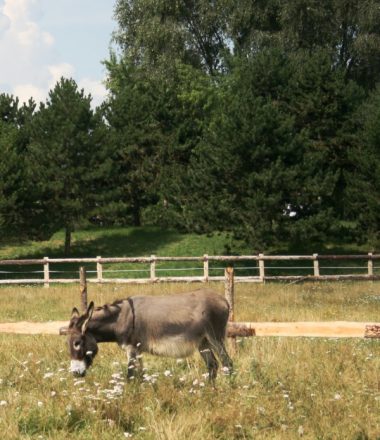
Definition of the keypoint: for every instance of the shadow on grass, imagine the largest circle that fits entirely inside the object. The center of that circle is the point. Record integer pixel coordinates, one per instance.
(146, 241)
(117, 242)
(110, 242)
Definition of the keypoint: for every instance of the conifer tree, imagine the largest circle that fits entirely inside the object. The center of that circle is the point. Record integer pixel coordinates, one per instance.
(66, 157)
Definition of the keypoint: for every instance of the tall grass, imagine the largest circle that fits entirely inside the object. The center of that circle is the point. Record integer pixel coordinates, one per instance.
(282, 388)
(340, 301)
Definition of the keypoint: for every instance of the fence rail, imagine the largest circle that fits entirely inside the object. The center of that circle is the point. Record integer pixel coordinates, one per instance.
(258, 268)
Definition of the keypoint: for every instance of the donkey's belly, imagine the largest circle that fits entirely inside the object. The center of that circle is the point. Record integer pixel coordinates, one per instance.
(173, 346)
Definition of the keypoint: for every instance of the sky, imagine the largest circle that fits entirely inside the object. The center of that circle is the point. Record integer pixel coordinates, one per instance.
(43, 40)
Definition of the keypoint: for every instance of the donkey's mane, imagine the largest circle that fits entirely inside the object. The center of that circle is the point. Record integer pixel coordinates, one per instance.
(107, 307)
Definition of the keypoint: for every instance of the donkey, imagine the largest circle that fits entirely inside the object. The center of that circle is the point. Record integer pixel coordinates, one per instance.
(173, 326)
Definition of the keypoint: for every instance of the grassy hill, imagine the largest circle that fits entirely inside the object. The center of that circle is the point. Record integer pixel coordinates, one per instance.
(119, 242)
(127, 241)
(146, 241)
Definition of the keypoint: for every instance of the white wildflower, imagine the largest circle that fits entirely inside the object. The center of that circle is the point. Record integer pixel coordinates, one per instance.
(48, 375)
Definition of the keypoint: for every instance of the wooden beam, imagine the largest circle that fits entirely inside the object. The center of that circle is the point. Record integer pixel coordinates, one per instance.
(329, 329)
(372, 331)
(83, 287)
(229, 290)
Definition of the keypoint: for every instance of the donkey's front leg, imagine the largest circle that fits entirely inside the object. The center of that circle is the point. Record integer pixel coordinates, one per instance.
(134, 362)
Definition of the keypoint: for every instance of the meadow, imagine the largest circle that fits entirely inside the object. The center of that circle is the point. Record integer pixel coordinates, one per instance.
(282, 388)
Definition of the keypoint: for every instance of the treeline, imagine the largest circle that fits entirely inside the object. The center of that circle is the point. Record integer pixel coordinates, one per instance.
(261, 118)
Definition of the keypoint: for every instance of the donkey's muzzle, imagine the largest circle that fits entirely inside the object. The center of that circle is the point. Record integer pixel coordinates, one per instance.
(78, 368)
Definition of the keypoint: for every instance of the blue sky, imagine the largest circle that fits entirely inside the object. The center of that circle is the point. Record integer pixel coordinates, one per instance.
(42, 40)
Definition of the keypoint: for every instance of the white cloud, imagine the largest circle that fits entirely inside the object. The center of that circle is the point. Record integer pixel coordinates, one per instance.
(31, 65)
(25, 91)
(56, 72)
(96, 88)
(4, 24)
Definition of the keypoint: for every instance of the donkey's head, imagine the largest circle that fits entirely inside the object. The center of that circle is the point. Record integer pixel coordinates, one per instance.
(82, 344)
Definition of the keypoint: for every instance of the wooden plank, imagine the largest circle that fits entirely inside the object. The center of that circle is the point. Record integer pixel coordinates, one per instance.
(348, 257)
(372, 331)
(329, 329)
(21, 262)
(148, 280)
(24, 281)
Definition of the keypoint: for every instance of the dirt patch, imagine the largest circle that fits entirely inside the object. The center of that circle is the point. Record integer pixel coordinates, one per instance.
(331, 329)
(33, 328)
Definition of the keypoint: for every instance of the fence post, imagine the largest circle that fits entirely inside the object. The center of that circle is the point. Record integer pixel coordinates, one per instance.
(46, 272)
(370, 264)
(153, 268)
(205, 267)
(229, 290)
(261, 267)
(316, 265)
(99, 269)
(83, 287)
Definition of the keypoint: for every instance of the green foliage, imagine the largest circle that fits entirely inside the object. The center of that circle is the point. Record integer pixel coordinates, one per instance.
(65, 158)
(134, 139)
(14, 184)
(256, 118)
(158, 34)
(364, 178)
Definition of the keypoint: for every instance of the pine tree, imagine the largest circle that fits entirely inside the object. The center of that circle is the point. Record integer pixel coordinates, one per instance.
(65, 156)
(14, 184)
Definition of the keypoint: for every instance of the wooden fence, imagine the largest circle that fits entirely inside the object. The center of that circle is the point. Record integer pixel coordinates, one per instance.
(257, 268)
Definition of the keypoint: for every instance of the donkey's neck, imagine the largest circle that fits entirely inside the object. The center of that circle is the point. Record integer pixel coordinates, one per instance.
(103, 323)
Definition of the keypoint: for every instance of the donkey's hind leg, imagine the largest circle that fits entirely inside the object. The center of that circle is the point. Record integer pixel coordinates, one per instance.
(134, 361)
(209, 358)
(220, 349)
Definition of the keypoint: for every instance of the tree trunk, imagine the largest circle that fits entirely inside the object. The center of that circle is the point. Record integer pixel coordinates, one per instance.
(136, 213)
(67, 240)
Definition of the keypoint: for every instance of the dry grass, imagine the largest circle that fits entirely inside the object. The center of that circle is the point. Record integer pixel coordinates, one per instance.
(284, 388)
(346, 301)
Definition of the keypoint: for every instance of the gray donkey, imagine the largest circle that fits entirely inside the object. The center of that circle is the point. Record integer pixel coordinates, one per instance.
(172, 326)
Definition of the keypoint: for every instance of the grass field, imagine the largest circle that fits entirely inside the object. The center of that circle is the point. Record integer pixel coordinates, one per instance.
(283, 388)
(147, 241)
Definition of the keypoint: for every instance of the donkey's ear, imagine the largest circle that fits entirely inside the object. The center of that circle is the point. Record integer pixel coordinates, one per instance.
(75, 313)
(88, 315)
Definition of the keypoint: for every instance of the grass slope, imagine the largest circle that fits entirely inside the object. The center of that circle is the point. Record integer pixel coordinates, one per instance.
(118, 242)
(146, 241)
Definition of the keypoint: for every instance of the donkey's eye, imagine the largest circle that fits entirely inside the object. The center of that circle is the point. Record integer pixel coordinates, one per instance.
(77, 345)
